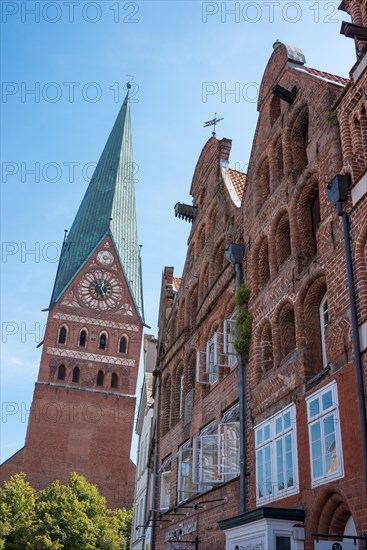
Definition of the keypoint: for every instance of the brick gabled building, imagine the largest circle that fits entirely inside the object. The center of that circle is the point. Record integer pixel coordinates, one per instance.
(305, 471)
(199, 392)
(82, 412)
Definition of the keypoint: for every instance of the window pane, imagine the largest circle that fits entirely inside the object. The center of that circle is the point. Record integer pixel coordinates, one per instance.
(316, 450)
(287, 420)
(282, 543)
(278, 425)
(289, 461)
(280, 470)
(259, 436)
(260, 474)
(327, 400)
(314, 408)
(267, 432)
(330, 445)
(268, 482)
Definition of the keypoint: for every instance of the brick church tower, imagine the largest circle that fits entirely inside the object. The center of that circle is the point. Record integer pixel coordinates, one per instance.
(83, 405)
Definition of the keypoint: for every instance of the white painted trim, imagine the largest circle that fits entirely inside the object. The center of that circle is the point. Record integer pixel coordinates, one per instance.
(363, 336)
(359, 190)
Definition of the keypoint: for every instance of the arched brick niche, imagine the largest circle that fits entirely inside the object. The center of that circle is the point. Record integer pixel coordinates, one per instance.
(263, 183)
(286, 329)
(261, 265)
(282, 238)
(330, 511)
(315, 325)
(299, 138)
(264, 350)
(308, 219)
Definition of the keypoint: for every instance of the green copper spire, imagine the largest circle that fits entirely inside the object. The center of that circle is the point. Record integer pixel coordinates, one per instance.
(108, 208)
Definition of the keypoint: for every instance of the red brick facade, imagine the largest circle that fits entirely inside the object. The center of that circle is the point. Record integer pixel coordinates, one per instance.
(302, 353)
(82, 413)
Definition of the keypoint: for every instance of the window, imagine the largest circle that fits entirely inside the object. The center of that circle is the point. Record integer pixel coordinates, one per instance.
(324, 320)
(62, 335)
(83, 339)
(184, 486)
(219, 353)
(165, 484)
(216, 451)
(61, 372)
(324, 435)
(103, 341)
(276, 456)
(100, 378)
(76, 374)
(181, 396)
(122, 345)
(229, 338)
(114, 380)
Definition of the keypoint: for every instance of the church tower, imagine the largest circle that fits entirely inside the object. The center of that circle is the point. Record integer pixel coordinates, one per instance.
(82, 413)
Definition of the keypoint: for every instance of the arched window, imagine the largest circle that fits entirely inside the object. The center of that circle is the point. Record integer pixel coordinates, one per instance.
(122, 345)
(179, 393)
(103, 341)
(76, 374)
(62, 335)
(100, 378)
(167, 406)
(83, 338)
(324, 321)
(114, 380)
(287, 330)
(61, 372)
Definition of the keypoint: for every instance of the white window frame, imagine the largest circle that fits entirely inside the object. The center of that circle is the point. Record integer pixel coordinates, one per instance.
(229, 459)
(181, 403)
(323, 325)
(210, 468)
(212, 359)
(229, 338)
(321, 405)
(274, 432)
(182, 492)
(165, 498)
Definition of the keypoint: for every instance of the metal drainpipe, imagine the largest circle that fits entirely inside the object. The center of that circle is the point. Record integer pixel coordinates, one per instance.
(355, 333)
(242, 392)
(155, 469)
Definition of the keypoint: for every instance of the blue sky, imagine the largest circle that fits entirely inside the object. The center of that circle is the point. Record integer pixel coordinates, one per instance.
(185, 58)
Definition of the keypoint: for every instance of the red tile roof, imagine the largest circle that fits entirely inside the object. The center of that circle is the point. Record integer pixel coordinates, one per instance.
(238, 180)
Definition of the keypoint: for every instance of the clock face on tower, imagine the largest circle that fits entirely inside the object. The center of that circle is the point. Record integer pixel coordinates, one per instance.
(100, 290)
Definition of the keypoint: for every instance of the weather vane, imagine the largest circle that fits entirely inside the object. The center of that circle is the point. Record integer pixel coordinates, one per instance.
(212, 122)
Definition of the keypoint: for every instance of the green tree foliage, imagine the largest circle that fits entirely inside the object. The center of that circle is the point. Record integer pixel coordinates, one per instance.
(70, 517)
